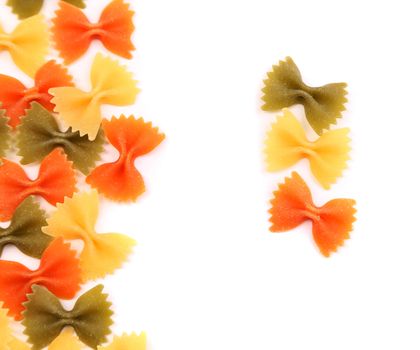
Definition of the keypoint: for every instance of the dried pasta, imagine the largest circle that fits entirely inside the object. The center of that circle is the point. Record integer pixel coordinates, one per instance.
(76, 219)
(28, 8)
(73, 32)
(286, 144)
(284, 87)
(45, 318)
(331, 223)
(25, 229)
(56, 180)
(120, 180)
(59, 272)
(16, 97)
(127, 342)
(39, 134)
(27, 44)
(111, 84)
(4, 133)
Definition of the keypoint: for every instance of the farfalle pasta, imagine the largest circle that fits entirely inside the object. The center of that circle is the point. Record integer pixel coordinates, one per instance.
(45, 318)
(39, 134)
(59, 272)
(120, 180)
(73, 32)
(16, 97)
(284, 88)
(286, 144)
(7, 340)
(76, 219)
(28, 8)
(4, 133)
(56, 180)
(111, 84)
(67, 340)
(27, 44)
(5, 330)
(25, 230)
(331, 223)
(16, 344)
(127, 342)
(60, 126)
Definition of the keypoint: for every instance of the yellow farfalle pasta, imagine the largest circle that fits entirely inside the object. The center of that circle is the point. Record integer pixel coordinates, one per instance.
(5, 331)
(76, 219)
(111, 84)
(7, 340)
(127, 342)
(16, 344)
(286, 144)
(67, 340)
(27, 44)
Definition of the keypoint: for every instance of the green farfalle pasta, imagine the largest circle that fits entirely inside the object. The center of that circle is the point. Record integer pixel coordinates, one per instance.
(45, 317)
(25, 230)
(28, 8)
(39, 134)
(4, 133)
(284, 88)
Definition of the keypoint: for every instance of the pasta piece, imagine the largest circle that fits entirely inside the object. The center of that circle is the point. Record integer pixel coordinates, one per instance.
(287, 144)
(284, 88)
(111, 84)
(73, 33)
(132, 138)
(16, 97)
(59, 272)
(39, 134)
(4, 133)
(45, 317)
(27, 44)
(67, 340)
(25, 230)
(16, 344)
(7, 340)
(331, 223)
(76, 219)
(28, 8)
(56, 180)
(127, 342)
(5, 330)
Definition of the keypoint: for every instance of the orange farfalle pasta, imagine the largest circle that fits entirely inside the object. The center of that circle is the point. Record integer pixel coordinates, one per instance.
(59, 272)
(15, 97)
(331, 223)
(73, 32)
(120, 180)
(55, 181)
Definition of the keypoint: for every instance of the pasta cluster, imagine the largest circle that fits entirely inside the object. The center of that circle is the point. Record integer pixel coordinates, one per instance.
(286, 144)
(61, 127)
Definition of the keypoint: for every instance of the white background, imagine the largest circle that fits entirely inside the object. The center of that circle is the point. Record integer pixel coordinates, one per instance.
(206, 273)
